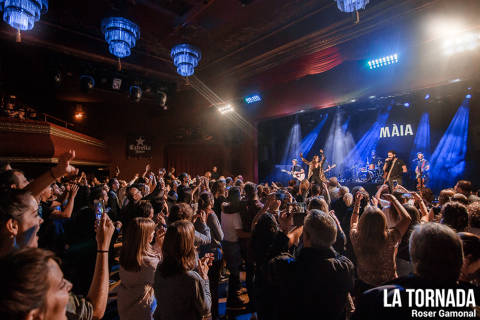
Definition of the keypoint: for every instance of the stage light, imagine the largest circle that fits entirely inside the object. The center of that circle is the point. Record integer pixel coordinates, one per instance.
(421, 143)
(163, 98)
(427, 96)
(448, 159)
(353, 100)
(116, 84)
(369, 140)
(382, 62)
(468, 96)
(225, 109)
(86, 83)
(253, 99)
(57, 77)
(406, 105)
(459, 43)
(455, 80)
(135, 93)
(372, 97)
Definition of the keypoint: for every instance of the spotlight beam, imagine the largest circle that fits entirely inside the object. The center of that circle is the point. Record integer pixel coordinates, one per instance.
(448, 159)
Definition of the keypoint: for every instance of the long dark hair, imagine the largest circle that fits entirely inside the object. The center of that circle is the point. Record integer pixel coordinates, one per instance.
(179, 255)
(250, 191)
(233, 200)
(263, 237)
(205, 199)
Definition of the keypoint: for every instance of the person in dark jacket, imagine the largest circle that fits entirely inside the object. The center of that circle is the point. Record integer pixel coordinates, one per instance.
(322, 278)
(113, 202)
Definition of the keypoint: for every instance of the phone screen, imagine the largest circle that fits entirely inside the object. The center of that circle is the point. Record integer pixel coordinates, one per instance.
(98, 204)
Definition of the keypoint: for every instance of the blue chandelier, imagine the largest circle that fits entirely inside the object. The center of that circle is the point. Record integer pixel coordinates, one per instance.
(352, 6)
(22, 14)
(185, 58)
(121, 35)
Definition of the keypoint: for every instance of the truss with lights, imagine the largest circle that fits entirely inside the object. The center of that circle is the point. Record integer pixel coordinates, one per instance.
(382, 62)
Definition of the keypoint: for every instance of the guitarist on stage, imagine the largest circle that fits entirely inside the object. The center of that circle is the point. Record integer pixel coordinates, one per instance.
(393, 170)
(421, 170)
(316, 173)
(296, 170)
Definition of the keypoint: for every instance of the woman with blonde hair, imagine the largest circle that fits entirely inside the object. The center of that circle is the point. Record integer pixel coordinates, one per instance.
(181, 280)
(374, 244)
(138, 261)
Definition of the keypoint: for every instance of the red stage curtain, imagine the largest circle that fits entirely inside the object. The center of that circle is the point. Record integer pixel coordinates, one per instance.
(309, 64)
(194, 158)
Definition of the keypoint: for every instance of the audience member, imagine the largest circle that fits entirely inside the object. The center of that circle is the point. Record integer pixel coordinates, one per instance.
(138, 262)
(181, 282)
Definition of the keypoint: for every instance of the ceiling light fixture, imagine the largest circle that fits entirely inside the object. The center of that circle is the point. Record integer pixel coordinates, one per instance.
(185, 58)
(22, 14)
(121, 35)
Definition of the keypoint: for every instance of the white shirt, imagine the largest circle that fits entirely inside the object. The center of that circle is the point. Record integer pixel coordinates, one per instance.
(231, 222)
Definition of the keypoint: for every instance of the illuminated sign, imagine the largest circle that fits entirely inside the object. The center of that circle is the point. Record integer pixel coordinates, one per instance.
(396, 131)
(252, 99)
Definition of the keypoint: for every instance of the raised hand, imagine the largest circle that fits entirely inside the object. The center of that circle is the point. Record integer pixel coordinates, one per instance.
(64, 167)
(416, 196)
(200, 215)
(74, 190)
(358, 198)
(104, 232)
(203, 265)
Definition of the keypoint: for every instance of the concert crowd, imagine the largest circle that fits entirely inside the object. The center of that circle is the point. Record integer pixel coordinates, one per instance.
(160, 245)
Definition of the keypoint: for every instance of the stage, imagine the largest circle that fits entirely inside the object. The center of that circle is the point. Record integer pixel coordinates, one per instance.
(434, 122)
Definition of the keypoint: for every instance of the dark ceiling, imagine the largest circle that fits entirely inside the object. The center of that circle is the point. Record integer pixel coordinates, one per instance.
(244, 47)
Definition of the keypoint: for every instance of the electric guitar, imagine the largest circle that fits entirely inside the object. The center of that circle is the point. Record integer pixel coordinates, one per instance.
(333, 166)
(299, 175)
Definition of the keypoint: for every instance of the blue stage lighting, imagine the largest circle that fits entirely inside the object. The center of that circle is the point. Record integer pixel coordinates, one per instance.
(468, 96)
(369, 140)
(293, 144)
(382, 62)
(427, 96)
(334, 151)
(406, 105)
(252, 99)
(448, 159)
(422, 138)
(307, 142)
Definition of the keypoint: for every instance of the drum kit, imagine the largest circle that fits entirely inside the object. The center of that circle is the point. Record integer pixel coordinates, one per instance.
(372, 172)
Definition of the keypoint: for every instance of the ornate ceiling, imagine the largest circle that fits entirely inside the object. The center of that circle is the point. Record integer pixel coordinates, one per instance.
(261, 44)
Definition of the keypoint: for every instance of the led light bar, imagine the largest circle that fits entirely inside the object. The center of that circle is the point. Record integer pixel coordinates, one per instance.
(225, 109)
(382, 62)
(461, 43)
(252, 99)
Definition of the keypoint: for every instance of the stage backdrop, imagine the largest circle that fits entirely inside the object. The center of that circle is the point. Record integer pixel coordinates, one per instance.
(442, 123)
